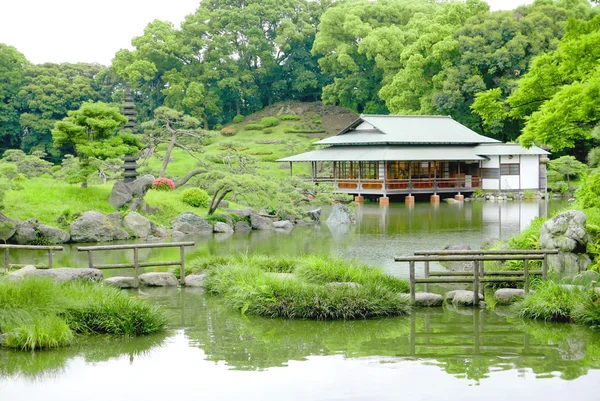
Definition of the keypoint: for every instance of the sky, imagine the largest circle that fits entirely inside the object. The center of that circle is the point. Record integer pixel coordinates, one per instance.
(93, 31)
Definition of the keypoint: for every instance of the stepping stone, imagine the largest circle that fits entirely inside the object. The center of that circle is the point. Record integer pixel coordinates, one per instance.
(428, 299)
(195, 280)
(158, 279)
(462, 297)
(120, 282)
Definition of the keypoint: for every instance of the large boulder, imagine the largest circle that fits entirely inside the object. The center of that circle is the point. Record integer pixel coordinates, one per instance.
(138, 225)
(195, 280)
(32, 231)
(190, 223)
(93, 226)
(566, 233)
(8, 227)
(505, 296)
(258, 222)
(221, 227)
(341, 214)
(122, 193)
(158, 279)
(242, 227)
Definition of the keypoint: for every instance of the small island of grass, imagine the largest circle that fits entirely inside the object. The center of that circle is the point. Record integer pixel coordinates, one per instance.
(307, 287)
(38, 313)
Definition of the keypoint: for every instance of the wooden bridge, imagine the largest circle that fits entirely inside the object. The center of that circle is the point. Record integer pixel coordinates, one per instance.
(478, 276)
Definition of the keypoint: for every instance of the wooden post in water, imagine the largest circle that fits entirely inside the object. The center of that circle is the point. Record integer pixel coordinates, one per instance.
(90, 261)
(6, 263)
(136, 265)
(412, 281)
(49, 259)
(526, 273)
(427, 276)
(182, 266)
(475, 284)
(481, 274)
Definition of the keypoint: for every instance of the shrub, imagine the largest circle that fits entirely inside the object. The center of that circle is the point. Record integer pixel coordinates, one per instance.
(8, 170)
(303, 131)
(163, 184)
(268, 131)
(529, 194)
(261, 153)
(238, 118)
(290, 117)
(228, 131)
(478, 193)
(195, 197)
(253, 127)
(270, 121)
(588, 196)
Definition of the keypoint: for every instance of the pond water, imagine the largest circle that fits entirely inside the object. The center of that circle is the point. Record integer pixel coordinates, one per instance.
(209, 352)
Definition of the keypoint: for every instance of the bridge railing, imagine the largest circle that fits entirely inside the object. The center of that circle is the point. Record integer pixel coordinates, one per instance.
(137, 265)
(478, 276)
(48, 249)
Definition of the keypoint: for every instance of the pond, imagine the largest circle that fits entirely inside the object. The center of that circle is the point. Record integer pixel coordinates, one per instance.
(210, 352)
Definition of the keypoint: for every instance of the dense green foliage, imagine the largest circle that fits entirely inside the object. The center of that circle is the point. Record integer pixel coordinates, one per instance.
(308, 287)
(38, 313)
(553, 301)
(195, 197)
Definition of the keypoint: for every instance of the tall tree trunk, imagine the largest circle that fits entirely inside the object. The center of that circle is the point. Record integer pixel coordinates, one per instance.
(163, 168)
(205, 118)
(237, 107)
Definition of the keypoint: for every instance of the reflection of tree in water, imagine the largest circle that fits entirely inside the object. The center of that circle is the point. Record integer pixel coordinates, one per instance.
(466, 343)
(41, 365)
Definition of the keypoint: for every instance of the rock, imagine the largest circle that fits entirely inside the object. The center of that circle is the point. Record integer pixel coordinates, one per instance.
(315, 214)
(258, 222)
(195, 280)
(223, 204)
(348, 284)
(189, 223)
(505, 296)
(242, 227)
(33, 232)
(121, 234)
(303, 223)
(458, 266)
(428, 299)
(140, 186)
(64, 274)
(567, 233)
(116, 219)
(283, 225)
(19, 274)
(340, 214)
(120, 195)
(8, 227)
(92, 226)
(461, 297)
(152, 238)
(177, 234)
(158, 279)
(221, 227)
(3, 338)
(120, 282)
(451, 200)
(160, 232)
(137, 224)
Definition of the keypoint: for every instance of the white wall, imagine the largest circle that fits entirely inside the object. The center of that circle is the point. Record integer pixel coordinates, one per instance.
(488, 183)
(530, 172)
(494, 162)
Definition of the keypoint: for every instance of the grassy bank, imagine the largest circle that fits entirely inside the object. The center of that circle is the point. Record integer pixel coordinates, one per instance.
(555, 302)
(40, 314)
(308, 287)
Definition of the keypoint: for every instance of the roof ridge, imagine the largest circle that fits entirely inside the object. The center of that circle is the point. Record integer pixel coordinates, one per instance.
(404, 115)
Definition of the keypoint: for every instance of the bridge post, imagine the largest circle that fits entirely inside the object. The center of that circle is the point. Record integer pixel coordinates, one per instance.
(412, 281)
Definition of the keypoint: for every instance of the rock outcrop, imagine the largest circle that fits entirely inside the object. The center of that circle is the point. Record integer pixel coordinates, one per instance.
(32, 232)
(59, 275)
(242, 227)
(93, 226)
(123, 193)
(258, 222)
(138, 225)
(190, 223)
(567, 233)
(341, 214)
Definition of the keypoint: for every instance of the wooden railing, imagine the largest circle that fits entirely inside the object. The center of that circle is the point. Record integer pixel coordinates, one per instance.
(478, 277)
(137, 265)
(49, 249)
